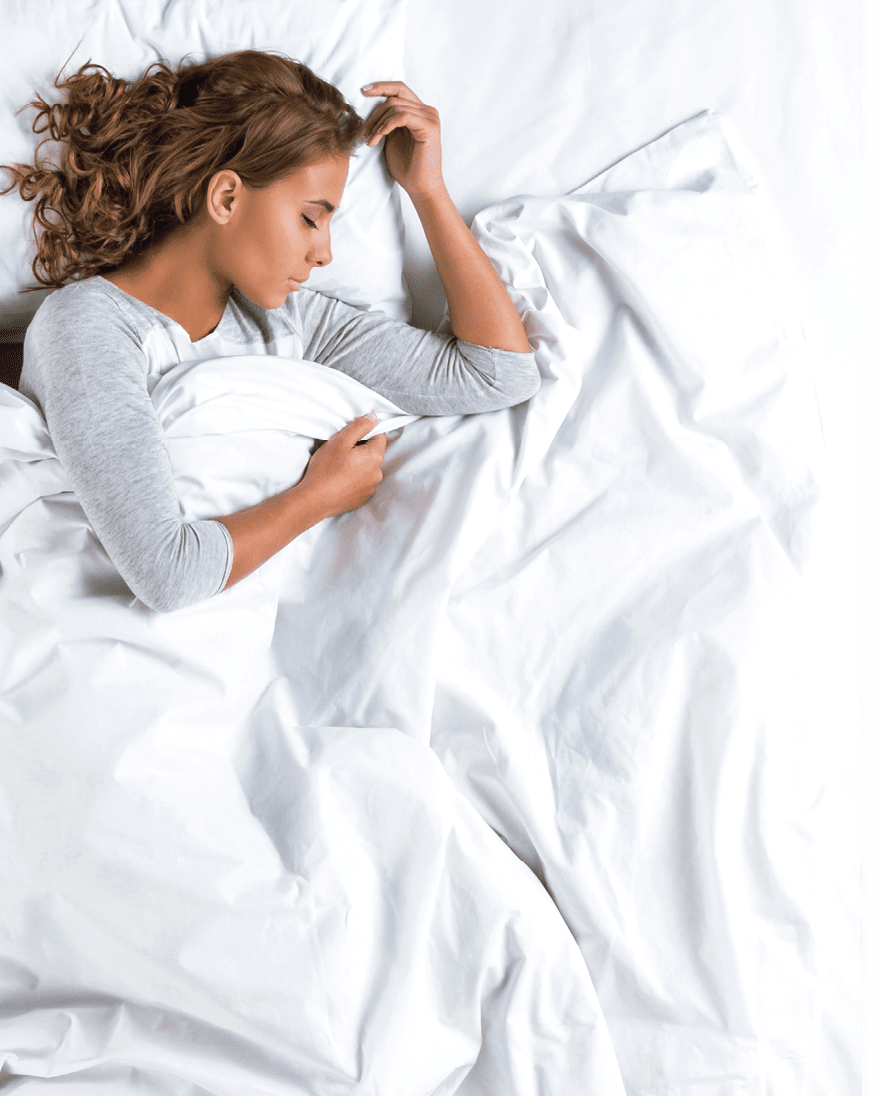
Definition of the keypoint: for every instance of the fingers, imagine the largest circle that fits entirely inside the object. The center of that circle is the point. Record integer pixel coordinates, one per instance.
(377, 444)
(354, 431)
(401, 108)
(421, 120)
(390, 87)
(347, 470)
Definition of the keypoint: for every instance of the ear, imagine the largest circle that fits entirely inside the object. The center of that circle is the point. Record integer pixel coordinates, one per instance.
(224, 195)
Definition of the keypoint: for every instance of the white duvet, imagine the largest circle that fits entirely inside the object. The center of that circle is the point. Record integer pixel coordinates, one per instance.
(250, 845)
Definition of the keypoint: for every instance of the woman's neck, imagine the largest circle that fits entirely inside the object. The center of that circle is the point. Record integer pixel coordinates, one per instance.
(174, 277)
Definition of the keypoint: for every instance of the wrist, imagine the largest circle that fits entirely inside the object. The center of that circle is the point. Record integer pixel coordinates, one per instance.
(430, 196)
(305, 503)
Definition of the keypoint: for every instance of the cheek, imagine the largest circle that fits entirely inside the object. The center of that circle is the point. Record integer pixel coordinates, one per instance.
(290, 234)
(286, 238)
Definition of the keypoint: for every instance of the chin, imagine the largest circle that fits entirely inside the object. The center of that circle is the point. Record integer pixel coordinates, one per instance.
(289, 289)
(271, 302)
(266, 297)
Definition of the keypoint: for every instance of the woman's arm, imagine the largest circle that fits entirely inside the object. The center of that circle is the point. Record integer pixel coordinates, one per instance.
(424, 373)
(479, 306)
(85, 366)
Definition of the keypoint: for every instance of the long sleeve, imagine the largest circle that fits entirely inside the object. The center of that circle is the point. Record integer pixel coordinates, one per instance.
(423, 372)
(85, 367)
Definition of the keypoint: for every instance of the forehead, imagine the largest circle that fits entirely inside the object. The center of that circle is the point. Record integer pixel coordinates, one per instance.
(321, 182)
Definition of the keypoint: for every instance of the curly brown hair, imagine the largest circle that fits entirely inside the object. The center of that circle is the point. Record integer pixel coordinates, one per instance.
(136, 156)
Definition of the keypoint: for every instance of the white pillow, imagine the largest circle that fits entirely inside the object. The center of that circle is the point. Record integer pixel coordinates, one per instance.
(348, 42)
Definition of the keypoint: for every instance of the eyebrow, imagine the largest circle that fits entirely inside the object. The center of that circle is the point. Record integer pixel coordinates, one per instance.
(321, 201)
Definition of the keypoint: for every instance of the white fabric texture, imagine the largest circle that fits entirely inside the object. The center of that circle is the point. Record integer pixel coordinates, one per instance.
(238, 865)
(534, 101)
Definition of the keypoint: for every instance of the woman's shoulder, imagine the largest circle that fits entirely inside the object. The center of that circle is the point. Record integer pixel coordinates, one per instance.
(92, 299)
(91, 313)
(85, 320)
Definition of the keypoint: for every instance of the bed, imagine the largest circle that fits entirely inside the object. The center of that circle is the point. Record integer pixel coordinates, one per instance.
(537, 774)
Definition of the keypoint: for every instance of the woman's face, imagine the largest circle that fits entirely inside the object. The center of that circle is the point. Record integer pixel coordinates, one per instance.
(273, 236)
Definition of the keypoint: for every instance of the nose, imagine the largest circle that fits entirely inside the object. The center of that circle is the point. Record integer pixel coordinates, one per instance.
(320, 252)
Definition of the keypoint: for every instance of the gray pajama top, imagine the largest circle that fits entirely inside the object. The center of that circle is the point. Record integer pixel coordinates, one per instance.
(92, 351)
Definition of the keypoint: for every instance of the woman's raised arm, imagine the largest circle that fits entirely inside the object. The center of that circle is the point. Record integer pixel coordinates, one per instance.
(479, 306)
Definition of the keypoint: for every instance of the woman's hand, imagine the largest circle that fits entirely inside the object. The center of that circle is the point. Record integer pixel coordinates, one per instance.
(413, 137)
(343, 474)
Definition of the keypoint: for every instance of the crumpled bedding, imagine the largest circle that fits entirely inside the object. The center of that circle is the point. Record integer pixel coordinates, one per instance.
(488, 786)
(223, 892)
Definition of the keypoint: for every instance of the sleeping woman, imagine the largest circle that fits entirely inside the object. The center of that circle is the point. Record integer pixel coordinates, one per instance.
(184, 216)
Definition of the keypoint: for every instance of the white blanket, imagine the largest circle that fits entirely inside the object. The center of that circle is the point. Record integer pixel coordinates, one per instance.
(357, 921)
(236, 860)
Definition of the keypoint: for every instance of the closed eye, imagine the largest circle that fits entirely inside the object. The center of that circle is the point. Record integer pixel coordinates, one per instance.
(311, 224)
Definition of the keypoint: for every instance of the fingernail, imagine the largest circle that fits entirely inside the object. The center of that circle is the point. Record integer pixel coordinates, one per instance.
(367, 87)
(373, 416)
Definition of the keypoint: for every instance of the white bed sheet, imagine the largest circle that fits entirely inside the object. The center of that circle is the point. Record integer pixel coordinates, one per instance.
(566, 92)
(721, 927)
(579, 605)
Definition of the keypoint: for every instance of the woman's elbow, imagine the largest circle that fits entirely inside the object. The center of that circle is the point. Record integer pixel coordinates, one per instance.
(187, 564)
(162, 598)
(518, 382)
(532, 383)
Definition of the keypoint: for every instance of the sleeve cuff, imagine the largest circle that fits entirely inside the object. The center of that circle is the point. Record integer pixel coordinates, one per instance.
(229, 565)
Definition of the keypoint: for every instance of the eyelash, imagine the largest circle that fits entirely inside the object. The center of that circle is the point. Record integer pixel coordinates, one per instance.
(311, 224)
